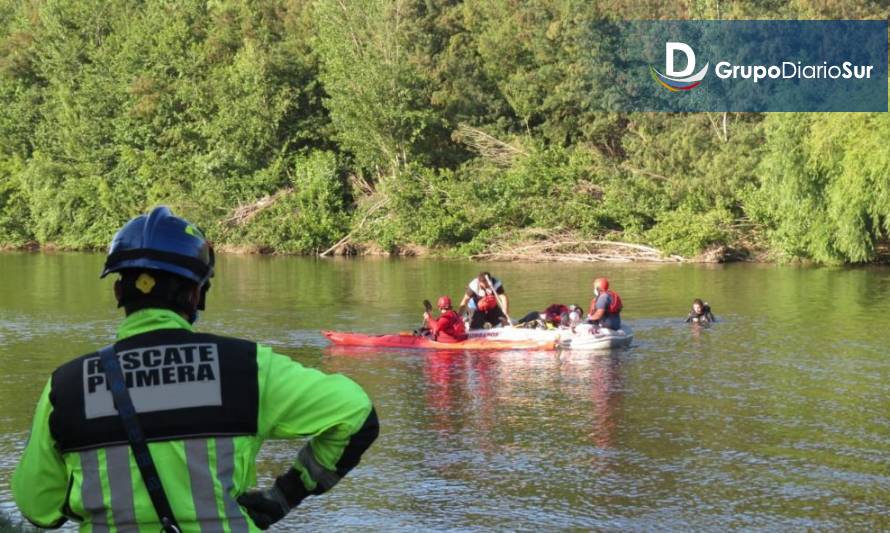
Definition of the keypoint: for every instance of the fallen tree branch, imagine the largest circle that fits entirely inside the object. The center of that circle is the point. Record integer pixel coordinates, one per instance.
(345, 240)
(487, 145)
(560, 248)
(245, 212)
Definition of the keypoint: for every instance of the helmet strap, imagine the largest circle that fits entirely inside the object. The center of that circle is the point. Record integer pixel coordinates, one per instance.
(202, 298)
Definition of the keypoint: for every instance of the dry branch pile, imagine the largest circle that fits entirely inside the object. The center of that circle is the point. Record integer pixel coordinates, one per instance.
(245, 212)
(486, 145)
(568, 249)
(347, 239)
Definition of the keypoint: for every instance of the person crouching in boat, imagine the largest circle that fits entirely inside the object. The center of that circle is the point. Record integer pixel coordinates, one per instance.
(605, 308)
(448, 327)
(700, 313)
(483, 295)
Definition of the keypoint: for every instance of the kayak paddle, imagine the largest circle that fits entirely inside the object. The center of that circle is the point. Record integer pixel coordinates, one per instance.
(428, 307)
(498, 299)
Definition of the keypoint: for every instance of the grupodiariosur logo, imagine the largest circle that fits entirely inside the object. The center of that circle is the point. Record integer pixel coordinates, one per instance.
(682, 80)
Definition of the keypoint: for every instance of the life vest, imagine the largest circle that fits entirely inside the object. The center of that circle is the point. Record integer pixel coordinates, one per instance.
(476, 290)
(487, 303)
(554, 313)
(615, 304)
(448, 327)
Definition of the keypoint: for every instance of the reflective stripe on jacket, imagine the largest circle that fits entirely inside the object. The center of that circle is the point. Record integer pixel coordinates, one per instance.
(205, 461)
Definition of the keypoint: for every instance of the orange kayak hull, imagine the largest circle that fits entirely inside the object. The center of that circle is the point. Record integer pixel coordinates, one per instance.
(417, 342)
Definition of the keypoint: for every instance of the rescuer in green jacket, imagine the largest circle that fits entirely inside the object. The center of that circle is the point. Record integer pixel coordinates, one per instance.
(205, 404)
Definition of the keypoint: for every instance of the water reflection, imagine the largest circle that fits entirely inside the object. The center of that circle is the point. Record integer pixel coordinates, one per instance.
(479, 390)
(606, 389)
(446, 377)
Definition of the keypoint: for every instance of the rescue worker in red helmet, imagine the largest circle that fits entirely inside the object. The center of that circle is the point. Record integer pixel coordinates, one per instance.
(605, 308)
(448, 327)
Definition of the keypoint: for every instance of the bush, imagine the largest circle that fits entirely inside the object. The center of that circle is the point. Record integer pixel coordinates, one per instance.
(687, 232)
(310, 217)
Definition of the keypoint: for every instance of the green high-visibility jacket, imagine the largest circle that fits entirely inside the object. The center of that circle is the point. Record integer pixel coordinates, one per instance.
(63, 474)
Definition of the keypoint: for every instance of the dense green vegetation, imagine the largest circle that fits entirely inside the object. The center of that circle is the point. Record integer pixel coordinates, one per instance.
(292, 125)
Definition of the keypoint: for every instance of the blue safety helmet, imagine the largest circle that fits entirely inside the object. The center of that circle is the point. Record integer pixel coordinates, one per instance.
(162, 241)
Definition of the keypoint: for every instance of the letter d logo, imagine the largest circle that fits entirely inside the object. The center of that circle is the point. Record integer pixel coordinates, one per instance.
(682, 80)
(669, 50)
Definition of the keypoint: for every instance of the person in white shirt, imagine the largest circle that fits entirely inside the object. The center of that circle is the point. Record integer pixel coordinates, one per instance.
(486, 296)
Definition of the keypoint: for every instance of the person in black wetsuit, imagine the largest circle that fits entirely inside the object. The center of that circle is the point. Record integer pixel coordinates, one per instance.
(700, 313)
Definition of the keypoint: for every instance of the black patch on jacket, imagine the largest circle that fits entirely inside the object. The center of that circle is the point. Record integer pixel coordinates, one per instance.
(183, 385)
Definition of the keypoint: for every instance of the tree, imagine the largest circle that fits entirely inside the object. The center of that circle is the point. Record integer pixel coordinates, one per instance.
(378, 100)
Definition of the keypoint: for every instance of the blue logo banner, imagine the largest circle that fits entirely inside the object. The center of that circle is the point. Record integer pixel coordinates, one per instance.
(745, 65)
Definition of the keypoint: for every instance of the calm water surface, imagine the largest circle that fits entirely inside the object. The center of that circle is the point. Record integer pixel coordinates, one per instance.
(778, 417)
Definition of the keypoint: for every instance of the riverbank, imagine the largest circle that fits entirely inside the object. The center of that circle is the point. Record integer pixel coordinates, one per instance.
(567, 251)
(535, 246)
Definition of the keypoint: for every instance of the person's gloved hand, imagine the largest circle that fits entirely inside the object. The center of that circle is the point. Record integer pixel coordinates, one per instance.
(265, 507)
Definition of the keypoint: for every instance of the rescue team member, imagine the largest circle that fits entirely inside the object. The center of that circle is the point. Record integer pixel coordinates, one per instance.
(482, 296)
(548, 317)
(605, 308)
(554, 316)
(448, 327)
(700, 313)
(205, 404)
(574, 317)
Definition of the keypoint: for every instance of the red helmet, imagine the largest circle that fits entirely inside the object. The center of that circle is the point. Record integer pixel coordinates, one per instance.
(601, 284)
(444, 302)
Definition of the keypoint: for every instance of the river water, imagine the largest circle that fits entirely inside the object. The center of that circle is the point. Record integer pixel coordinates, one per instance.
(778, 417)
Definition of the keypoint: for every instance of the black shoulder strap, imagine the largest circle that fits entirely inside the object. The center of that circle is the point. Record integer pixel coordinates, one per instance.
(124, 405)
